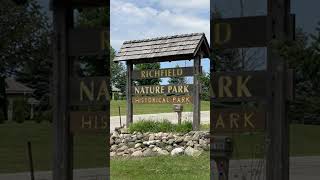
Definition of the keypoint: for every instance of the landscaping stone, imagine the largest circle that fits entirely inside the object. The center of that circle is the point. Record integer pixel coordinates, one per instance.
(192, 152)
(137, 154)
(177, 151)
(151, 144)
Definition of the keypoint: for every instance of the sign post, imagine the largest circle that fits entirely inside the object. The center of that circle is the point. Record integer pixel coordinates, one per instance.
(273, 86)
(278, 125)
(68, 45)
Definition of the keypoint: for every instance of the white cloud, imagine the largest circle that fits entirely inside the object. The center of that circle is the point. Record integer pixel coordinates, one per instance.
(185, 4)
(130, 21)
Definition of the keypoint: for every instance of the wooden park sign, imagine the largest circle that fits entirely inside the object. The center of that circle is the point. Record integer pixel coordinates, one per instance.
(162, 73)
(89, 121)
(89, 90)
(162, 100)
(164, 49)
(239, 32)
(240, 86)
(84, 41)
(244, 32)
(163, 89)
(237, 120)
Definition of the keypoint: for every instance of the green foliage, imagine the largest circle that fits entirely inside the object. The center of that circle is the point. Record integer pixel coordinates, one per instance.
(177, 80)
(25, 47)
(90, 65)
(205, 87)
(19, 110)
(303, 56)
(160, 126)
(43, 116)
(154, 81)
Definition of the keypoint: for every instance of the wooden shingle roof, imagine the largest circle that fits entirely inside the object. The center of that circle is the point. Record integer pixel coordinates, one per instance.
(178, 47)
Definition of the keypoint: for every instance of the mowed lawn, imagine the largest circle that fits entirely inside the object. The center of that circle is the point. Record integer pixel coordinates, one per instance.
(151, 108)
(90, 152)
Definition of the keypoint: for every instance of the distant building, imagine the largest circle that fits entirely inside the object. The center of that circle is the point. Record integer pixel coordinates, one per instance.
(16, 90)
(116, 93)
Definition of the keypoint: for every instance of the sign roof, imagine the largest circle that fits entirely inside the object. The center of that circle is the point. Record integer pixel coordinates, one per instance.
(178, 47)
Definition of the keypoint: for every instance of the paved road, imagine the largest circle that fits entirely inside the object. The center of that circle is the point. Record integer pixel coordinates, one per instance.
(301, 168)
(173, 117)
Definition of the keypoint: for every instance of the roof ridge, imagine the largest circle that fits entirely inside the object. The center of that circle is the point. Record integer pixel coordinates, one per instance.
(163, 37)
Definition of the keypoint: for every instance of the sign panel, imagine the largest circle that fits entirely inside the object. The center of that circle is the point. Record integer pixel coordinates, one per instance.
(239, 86)
(89, 121)
(162, 73)
(163, 89)
(162, 100)
(84, 42)
(89, 91)
(237, 120)
(239, 32)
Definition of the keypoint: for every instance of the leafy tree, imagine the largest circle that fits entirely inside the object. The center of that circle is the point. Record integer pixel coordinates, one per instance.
(25, 47)
(303, 56)
(154, 81)
(99, 17)
(21, 34)
(177, 80)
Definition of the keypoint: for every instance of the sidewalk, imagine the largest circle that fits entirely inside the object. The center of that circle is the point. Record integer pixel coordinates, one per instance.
(173, 117)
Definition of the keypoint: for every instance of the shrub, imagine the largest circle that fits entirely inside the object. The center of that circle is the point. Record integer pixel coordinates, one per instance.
(19, 110)
(159, 126)
(2, 117)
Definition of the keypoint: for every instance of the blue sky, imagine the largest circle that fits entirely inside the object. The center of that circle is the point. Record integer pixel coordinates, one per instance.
(132, 19)
(140, 19)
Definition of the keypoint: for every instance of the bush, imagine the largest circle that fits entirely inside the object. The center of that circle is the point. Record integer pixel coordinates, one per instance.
(2, 117)
(19, 110)
(159, 126)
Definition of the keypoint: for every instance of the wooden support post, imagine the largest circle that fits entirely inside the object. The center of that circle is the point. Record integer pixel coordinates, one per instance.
(278, 125)
(129, 94)
(196, 93)
(61, 160)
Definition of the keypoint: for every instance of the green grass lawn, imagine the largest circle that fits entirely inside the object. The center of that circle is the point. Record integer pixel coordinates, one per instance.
(90, 152)
(151, 108)
(161, 168)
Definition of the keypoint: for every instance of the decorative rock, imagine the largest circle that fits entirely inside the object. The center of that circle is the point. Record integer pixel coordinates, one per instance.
(202, 142)
(151, 138)
(120, 153)
(123, 148)
(192, 152)
(190, 143)
(137, 145)
(163, 153)
(176, 151)
(148, 152)
(170, 141)
(139, 136)
(112, 154)
(187, 138)
(179, 139)
(137, 154)
(114, 148)
(169, 148)
(111, 141)
(124, 131)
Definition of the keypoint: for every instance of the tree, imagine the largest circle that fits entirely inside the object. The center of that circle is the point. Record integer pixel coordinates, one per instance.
(154, 81)
(21, 34)
(303, 56)
(177, 80)
(25, 46)
(90, 65)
